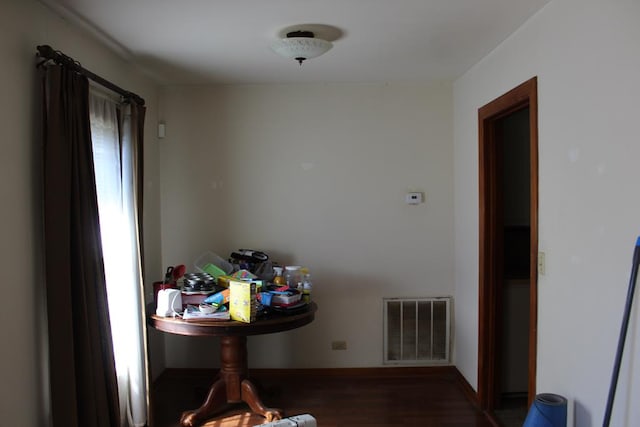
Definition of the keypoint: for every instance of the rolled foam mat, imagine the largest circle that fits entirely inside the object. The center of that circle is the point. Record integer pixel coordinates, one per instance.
(547, 410)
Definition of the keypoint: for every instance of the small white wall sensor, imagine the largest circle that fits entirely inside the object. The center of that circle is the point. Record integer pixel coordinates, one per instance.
(413, 198)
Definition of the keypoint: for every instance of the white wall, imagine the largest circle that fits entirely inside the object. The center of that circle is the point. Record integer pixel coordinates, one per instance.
(23, 359)
(313, 175)
(586, 54)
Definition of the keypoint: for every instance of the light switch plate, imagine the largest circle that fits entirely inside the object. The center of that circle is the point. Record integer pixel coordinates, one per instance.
(541, 264)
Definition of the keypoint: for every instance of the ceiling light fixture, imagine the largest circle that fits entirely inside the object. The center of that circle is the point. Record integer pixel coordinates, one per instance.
(301, 45)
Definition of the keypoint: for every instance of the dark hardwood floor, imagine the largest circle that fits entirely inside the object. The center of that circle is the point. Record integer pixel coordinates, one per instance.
(335, 397)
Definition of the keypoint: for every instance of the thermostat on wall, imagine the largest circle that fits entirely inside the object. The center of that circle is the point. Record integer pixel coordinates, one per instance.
(413, 198)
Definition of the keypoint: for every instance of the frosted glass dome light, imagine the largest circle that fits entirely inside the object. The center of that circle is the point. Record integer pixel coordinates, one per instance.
(301, 45)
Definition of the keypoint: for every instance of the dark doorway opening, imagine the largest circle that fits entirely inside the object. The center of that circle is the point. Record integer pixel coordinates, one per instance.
(508, 253)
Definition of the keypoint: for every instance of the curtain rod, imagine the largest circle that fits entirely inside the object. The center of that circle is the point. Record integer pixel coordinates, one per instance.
(48, 53)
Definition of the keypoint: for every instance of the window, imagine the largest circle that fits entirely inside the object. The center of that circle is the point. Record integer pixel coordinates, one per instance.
(114, 172)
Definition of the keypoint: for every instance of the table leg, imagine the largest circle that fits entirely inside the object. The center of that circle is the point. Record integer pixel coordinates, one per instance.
(232, 386)
(216, 399)
(250, 396)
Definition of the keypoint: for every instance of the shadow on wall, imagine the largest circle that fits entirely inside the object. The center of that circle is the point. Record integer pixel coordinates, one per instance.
(579, 412)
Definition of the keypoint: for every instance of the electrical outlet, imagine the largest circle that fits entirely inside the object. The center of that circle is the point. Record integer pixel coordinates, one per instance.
(338, 345)
(413, 198)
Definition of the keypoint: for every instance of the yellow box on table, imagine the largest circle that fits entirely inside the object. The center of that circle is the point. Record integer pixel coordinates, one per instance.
(243, 305)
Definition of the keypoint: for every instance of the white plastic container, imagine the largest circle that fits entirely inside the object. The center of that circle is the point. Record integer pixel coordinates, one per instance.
(169, 302)
(278, 299)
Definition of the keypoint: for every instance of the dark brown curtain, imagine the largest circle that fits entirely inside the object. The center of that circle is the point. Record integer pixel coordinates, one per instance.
(82, 369)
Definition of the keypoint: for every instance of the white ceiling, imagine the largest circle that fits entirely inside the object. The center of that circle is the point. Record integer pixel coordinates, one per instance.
(228, 41)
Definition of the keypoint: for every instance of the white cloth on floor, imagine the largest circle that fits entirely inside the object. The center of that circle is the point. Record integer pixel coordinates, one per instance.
(305, 420)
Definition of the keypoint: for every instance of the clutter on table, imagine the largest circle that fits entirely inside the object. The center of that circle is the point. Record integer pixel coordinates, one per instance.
(204, 312)
(245, 287)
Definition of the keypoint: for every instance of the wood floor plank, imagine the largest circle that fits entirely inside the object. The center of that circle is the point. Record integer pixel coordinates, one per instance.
(348, 400)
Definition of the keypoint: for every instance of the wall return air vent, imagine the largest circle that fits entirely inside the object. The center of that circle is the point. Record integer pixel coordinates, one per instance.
(417, 331)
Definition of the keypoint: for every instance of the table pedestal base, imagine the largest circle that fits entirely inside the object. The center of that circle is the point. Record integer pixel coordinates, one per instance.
(231, 386)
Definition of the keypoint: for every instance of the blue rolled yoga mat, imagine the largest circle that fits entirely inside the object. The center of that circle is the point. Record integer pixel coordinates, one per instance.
(547, 410)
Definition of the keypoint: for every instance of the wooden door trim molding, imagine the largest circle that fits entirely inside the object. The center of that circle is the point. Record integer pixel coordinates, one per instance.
(516, 99)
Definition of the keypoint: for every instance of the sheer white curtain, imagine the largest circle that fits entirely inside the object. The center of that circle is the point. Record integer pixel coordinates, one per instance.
(114, 170)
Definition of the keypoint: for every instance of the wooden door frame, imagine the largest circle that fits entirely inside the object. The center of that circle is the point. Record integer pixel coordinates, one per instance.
(524, 95)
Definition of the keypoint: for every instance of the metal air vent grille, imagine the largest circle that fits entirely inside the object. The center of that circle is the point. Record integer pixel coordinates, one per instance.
(417, 331)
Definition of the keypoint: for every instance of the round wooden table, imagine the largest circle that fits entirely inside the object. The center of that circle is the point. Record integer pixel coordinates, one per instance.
(232, 384)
